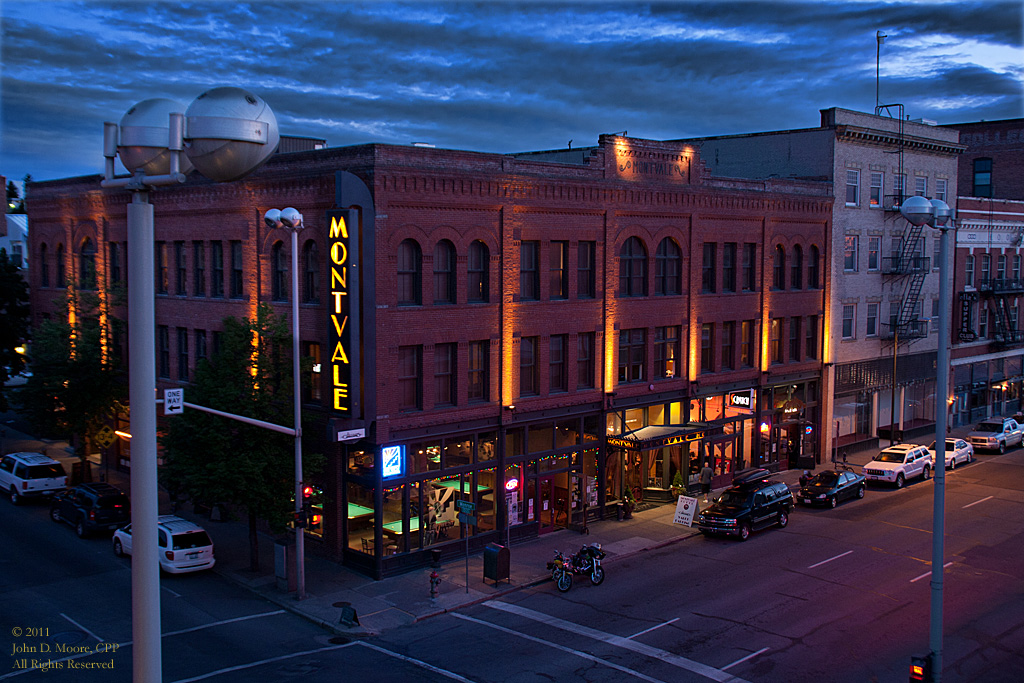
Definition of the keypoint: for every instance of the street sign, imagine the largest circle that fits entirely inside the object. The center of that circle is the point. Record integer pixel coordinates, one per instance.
(105, 436)
(174, 401)
(350, 435)
(466, 519)
(465, 506)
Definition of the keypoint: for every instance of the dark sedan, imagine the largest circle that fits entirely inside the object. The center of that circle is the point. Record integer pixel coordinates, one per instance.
(831, 487)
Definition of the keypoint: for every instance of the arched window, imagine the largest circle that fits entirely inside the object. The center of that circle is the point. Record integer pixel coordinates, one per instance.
(44, 266)
(667, 268)
(633, 268)
(479, 262)
(87, 265)
(796, 270)
(410, 263)
(780, 268)
(812, 268)
(279, 273)
(61, 275)
(311, 274)
(444, 273)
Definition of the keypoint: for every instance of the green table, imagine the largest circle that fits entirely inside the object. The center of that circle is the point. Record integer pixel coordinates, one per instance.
(356, 510)
(396, 526)
(454, 484)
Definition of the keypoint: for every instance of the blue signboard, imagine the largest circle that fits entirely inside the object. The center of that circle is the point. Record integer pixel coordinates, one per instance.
(393, 458)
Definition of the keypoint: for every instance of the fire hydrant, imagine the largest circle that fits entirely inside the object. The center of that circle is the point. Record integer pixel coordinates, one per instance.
(435, 581)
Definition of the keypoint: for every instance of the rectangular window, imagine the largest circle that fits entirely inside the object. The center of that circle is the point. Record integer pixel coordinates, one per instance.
(749, 267)
(632, 355)
(920, 186)
(1016, 267)
(218, 338)
(163, 341)
(729, 267)
(747, 347)
(585, 272)
(198, 269)
(872, 321)
(937, 254)
(236, 269)
(217, 266)
(479, 363)
(115, 263)
(707, 347)
(983, 322)
(728, 345)
(410, 378)
(986, 268)
(181, 275)
(899, 184)
(312, 352)
(200, 346)
(585, 360)
(935, 316)
(795, 340)
(969, 270)
(444, 375)
(850, 254)
(811, 347)
(183, 354)
(666, 352)
(557, 365)
(982, 177)
(708, 271)
(528, 385)
(776, 340)
(559, 270)
(1001, 267)
(877, 180)
(894, 316)
(161, 267)
(849, 313)
(874, 253)
(852, 188)
(529, 272)
(941, 188)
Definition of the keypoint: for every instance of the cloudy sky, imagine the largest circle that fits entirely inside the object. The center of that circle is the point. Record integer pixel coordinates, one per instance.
(496, 76)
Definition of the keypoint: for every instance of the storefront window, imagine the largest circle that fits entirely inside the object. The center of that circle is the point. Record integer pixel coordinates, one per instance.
(656, 414)
(486, 496)
(437, 517)
(360, 518)
(487, 447)
(675, 413)
(515, 478)
(423, 457)
(591, 428)
(514, 443)
(713, 408)
(394, 538)
(360, 462)
(541, 438)
(567, 434)
(614, 423)
(458, 453)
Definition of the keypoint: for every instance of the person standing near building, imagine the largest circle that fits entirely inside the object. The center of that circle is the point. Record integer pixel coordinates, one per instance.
(705, 480)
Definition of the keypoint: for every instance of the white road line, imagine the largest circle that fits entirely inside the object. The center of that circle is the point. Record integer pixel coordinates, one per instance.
(740, 661)
(928, 573)
(830, 559)
(625, 643)
(221, 623)
(977, 501)
(96, 637)
(177, 595)
(250, 665)
(430, 667)
(556, 646)
(648, 630)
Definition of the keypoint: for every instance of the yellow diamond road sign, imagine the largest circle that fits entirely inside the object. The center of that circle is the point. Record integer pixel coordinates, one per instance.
(105, 436)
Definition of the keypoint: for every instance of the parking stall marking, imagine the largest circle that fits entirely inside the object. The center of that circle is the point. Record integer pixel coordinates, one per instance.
(417, 662)
(830, 559)
(743, 659)
(928, 573)
(82, 628)
(648, 630)
(977, 501)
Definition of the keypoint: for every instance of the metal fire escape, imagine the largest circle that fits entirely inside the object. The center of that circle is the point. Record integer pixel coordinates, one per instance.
(996, 294)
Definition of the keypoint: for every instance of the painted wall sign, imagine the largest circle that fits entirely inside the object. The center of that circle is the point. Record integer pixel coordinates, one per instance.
(393, 459)
(343, 308)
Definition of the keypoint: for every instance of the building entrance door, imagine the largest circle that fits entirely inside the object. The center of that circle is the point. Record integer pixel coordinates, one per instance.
(554, 502)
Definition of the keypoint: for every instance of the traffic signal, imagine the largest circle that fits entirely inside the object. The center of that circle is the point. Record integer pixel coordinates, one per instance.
(921, 669)
(299, 519)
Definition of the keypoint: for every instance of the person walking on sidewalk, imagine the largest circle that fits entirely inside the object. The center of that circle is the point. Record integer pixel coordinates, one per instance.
(705, 480)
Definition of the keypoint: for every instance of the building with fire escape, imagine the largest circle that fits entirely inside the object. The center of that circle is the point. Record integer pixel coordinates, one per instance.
(883, 293)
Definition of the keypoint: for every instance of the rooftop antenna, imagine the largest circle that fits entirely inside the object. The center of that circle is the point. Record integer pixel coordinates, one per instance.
(879, 39)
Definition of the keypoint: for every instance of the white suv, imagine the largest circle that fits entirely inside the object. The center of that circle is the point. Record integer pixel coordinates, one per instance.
(898, 463)
(184, 546)
(29, 475)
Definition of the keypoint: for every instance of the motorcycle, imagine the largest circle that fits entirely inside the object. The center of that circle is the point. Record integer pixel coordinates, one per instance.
(561, 571)
(588, 561)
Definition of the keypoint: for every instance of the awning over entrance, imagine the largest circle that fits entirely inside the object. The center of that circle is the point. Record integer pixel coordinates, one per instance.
(659, 436)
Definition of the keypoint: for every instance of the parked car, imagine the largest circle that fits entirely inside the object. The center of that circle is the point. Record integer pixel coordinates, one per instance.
(183, 546)
(896, 464)
(91, 508)
(996, 434)
(830, 487)
(958, 451)
(752, 504)
(31, 475)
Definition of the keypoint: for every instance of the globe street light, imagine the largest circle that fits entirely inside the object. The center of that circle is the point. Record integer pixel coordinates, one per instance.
(290, 218)
(937, 214)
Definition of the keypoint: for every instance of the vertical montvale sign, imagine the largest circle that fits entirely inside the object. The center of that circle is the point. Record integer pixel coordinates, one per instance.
(343, 308)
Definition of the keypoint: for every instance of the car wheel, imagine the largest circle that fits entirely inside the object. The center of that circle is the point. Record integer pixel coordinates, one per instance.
(833, 501)
(860, 491)
(952, 463)
(783, 519)
(55, 514)
(927, 474)
(80, 529)
(118, 550)
(15, 498)
(900, 480)
(744, 531)
(970, 457)
(1002, 447)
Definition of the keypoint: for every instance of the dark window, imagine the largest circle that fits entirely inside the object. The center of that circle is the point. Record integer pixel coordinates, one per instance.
(164, 347)
(633, 268)
(632, 355)
(812, 268)
(217, 266)
(709, 274)
(779, 280)
(729, 267)
(747, 345)
(311, 273)
(585, 360)
(236, 269)
(749, 267)
(776, 340)
(87, 265)
(160, 248)
(728, 345)
(668, 268)
(811, 346)
(559, 270)
(115, 262)
(61, 273)
(218, 338)
(183, 354)
(201, 352)
(529, 271)
(707, 347)
(198, 269)
(44, 266)
(180, 275)
(410, 378)
(556, 360)
(479, 363)
(666, 352)
(796, 270)
(410, 264)
(444, 375)
(444, 272)
(312, 391)
(479, 268)
(983, 177)
(528, 366)
(278, 273)
(585, 270)
(794, 340)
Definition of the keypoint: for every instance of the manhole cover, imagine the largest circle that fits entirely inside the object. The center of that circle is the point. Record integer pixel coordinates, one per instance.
(68, 637)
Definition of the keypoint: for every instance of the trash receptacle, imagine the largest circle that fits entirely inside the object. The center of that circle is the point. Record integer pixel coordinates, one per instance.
(284, 565)
(496, 562)
(435, 558)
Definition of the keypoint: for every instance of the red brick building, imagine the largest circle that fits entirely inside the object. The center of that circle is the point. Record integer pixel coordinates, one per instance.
(993, 163)
(535, 334)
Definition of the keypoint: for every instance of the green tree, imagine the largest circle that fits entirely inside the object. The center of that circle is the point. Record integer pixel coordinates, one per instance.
(213, 459)
(78, 383)
(14, 322)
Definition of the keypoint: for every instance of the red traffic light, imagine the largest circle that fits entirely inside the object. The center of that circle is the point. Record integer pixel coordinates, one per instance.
(307, 492)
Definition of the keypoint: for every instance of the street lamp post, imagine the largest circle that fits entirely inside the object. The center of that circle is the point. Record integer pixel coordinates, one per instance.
(292, 219)
(936, 214)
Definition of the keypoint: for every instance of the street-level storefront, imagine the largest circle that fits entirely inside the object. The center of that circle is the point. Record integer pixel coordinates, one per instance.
(646, 460)
(789, 421)
(987, 387)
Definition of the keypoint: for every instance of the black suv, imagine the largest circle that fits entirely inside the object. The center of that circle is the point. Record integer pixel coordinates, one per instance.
(751, 504)
(91, 507)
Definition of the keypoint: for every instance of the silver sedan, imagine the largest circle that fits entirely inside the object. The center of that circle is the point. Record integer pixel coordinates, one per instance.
(958, 452)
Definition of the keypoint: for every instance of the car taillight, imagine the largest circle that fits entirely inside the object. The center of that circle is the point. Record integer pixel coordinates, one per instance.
(24, 485)
(92, 514)
(169, 554)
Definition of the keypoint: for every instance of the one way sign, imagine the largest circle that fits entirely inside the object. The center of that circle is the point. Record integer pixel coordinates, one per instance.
(174, 401)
